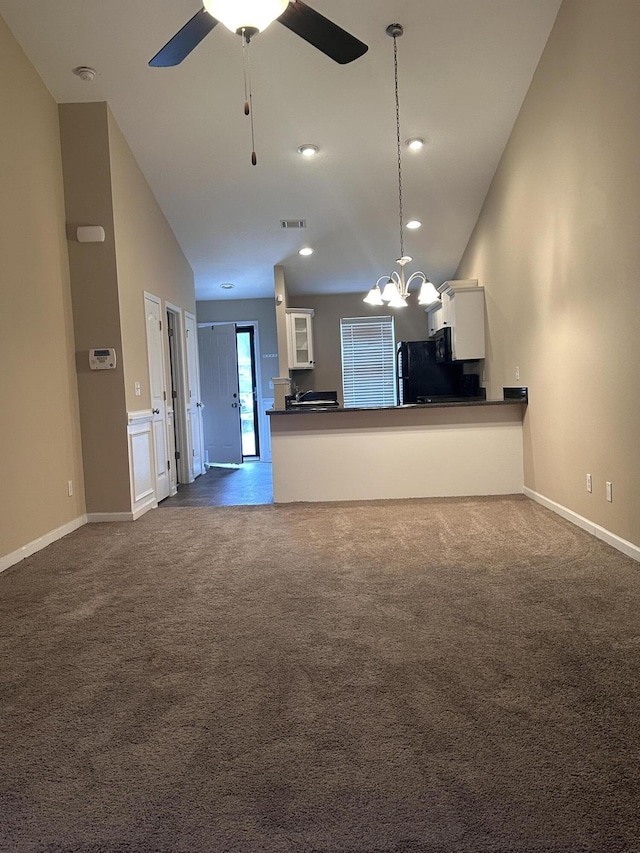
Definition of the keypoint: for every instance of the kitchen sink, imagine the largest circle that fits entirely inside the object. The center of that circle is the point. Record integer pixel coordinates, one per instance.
(312, 400)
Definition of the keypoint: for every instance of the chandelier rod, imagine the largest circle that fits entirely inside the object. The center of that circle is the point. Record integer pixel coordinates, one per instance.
(396, 30)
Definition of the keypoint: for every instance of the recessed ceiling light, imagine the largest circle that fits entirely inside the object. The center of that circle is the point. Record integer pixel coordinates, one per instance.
(306, 251)
(227, 286)
(308, 150)
(415, 143)
(413, 224)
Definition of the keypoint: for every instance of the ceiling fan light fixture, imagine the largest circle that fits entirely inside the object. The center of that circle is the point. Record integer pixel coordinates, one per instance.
(237, 15)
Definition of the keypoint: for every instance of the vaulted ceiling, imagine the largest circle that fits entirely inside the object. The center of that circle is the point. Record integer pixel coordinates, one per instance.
(465, 66)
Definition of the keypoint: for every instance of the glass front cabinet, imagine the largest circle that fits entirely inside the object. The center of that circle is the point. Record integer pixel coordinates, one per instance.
(300, 338)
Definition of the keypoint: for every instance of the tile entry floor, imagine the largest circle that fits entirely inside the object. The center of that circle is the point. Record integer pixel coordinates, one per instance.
(233, 485)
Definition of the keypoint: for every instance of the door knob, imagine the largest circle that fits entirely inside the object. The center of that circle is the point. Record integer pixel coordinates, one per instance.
(156, 411)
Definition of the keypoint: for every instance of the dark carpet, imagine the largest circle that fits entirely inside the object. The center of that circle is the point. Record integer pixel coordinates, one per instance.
(424, 676)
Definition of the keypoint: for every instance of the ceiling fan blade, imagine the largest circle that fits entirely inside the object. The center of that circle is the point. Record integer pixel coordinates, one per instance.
(322, 33)
(184, 41)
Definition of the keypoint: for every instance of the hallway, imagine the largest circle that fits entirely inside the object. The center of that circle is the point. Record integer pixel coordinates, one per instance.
(237, 485)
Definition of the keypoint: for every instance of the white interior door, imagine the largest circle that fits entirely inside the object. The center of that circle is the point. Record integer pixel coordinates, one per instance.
(194, 401)
(219, 389)
(157, 388)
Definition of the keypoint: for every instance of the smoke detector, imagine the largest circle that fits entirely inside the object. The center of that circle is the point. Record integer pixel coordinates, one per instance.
(85, 73)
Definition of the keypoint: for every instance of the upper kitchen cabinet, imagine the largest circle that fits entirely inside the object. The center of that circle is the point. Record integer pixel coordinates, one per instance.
(462, 309)
(435, 318)
(300, 338)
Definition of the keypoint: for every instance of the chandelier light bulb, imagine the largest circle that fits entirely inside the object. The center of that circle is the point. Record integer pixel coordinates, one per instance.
(428, 293)
(390, 292)
(374, 297)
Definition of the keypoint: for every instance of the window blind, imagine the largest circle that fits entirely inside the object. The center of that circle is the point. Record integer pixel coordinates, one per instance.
(368, 361)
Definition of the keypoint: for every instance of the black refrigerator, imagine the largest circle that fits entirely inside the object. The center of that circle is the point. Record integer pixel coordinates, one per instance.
(418, 374)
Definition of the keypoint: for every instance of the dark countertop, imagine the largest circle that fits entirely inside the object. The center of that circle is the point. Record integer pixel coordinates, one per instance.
(509, 399)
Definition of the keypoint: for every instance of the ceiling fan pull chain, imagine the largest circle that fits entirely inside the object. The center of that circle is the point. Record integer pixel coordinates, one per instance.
(248, 94)
(244, 70)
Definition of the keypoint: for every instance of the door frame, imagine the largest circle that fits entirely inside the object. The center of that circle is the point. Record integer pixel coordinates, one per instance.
(256, 342)
(193, 391)
(156, 300)
(180, 411)
(251, 331)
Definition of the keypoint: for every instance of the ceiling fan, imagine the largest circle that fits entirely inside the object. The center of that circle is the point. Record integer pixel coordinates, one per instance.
(248, 17)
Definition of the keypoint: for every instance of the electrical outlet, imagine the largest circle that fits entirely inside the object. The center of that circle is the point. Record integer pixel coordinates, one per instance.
(517, 373)
(609, 492)
(589, 483)
(70, 488)
(137, 388)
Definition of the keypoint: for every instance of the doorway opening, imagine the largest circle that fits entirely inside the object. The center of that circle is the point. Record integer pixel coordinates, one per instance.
(248, 391)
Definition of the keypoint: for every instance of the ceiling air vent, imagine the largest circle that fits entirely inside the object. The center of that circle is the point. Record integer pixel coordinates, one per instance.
(293, 223)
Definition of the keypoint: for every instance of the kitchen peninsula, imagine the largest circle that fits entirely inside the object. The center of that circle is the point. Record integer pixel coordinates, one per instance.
(435, 449)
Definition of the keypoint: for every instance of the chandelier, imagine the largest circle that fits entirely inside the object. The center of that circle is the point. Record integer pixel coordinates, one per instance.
(396, 285)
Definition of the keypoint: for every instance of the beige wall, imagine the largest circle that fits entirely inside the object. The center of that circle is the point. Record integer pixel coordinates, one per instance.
(410, 325)
(94, 283)
(242, 310)
(557, 248)
(104, 186)
(148, 257)
(282, 301)
(39, 420)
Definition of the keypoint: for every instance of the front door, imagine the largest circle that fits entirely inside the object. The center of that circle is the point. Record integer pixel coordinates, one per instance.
(157, 390)
(220, 393)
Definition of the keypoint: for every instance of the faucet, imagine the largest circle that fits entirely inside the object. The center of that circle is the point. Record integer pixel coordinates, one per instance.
(301, 395)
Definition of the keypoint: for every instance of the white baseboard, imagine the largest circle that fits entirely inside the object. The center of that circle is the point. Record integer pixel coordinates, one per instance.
(139, 510)
(53, 535)
(596, 530)
(41, 542)
(99, 517)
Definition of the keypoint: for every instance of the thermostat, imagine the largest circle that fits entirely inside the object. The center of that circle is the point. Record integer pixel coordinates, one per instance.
(102, 359)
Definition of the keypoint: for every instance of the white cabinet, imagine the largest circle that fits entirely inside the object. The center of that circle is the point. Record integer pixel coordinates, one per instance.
(435, 318)
(300, 338)
(463, 310)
